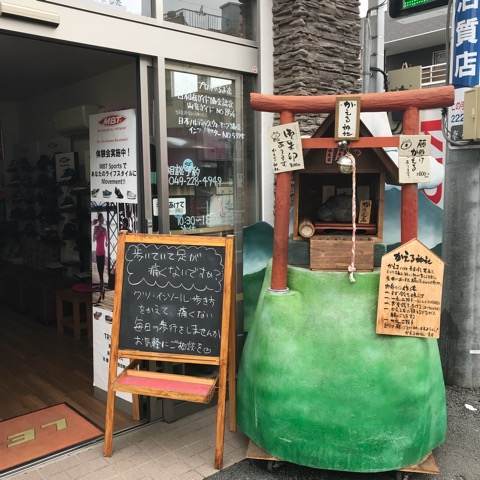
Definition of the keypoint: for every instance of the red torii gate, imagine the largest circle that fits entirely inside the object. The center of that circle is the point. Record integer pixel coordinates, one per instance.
(410, 102)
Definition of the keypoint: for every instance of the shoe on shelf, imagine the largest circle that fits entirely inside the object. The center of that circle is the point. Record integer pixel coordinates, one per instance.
(29, 229)
(24, 164)
(131, 195)
(68, 201)
(17, 213)
(118, 193)
(68, 173)
(94, 192)
(43, 162)
(78, 187)
(107, 194)
(14, 179)
(12, 167)
(69, 231)
(44, 180)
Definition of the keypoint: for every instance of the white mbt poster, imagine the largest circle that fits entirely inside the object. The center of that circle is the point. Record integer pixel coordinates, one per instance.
(102, 329)
(113, 157)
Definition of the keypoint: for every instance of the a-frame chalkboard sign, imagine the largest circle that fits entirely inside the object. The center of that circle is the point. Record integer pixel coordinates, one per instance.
(173, 303)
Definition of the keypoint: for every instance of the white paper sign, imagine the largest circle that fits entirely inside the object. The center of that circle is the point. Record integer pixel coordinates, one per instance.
(347, 118)
(414, 161)
(102, 330)
(113, 157)
(286, 147)
(177, 206)
(456, 115)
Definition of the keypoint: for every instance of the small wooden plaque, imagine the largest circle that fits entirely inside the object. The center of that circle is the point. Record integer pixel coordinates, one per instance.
(365, 212)
(410, 293)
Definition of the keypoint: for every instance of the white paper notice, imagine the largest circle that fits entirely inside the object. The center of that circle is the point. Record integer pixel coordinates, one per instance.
(113, 157)
(286, 147)
(102, 329)
(414, 161)
(177, 206)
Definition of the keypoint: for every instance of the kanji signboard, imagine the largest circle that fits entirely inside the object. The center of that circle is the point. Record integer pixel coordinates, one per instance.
(347, 117)
(466, 61)
(410, 292)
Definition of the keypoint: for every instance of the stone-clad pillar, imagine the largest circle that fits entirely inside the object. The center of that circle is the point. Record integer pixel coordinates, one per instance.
(316, 49)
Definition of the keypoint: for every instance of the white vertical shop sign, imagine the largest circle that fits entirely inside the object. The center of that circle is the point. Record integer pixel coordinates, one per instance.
(113, 157)
(464, 63)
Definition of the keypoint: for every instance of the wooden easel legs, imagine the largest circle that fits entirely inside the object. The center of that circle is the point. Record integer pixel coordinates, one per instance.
(135, 407)
(232, 404)
(220, 427)
(109, 422)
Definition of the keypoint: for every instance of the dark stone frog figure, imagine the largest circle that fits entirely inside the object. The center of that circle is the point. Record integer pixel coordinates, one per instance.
(337, 209)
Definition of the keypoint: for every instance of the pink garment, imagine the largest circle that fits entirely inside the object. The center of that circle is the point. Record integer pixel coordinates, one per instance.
(100, 238)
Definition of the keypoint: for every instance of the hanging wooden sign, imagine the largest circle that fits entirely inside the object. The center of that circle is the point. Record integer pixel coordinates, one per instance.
(286, 147)
(173, 303)
(347, 117)
(414, 161)
(410, 293)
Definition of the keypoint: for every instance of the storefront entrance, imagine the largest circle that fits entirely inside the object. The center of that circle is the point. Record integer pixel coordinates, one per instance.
(58, 230)
(93, 142)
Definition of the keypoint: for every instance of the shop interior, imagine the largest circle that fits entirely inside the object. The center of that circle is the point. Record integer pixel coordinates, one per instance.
(47, 254)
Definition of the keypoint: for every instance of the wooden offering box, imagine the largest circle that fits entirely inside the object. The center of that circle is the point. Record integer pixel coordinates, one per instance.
(322, 204)
(328, 252)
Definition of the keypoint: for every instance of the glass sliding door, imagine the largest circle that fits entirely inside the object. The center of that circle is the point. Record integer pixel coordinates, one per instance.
(205, 150)
(212, 186)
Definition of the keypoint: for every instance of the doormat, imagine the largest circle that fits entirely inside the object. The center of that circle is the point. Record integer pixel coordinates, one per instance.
(41, 433)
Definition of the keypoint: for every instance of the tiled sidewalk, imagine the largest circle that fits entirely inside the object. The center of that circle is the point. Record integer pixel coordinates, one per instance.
(183, 450)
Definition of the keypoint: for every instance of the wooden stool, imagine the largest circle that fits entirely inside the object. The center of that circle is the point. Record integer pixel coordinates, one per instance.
(76, 299)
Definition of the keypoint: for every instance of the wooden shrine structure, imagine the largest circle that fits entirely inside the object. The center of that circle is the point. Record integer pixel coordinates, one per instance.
(410, 102)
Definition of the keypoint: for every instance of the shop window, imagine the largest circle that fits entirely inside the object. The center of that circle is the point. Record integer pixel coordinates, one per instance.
(231, 18)
(209, 155)
(439, 56)
(136, 7)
